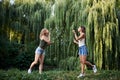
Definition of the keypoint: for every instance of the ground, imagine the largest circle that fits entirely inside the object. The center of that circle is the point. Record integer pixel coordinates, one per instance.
(15, 74)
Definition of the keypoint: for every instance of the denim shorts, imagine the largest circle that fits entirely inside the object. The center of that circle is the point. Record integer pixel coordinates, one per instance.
(39, 51)
(83, 50)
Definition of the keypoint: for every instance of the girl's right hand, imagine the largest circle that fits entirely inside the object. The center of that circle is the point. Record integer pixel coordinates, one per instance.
(49, 43)
(74, 41)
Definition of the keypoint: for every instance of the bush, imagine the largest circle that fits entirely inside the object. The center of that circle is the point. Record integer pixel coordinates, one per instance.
(24, 59)
(14, 55)
(8, 52)
(70, 63)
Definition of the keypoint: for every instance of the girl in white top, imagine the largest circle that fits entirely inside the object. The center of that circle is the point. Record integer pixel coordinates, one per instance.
(80, 40)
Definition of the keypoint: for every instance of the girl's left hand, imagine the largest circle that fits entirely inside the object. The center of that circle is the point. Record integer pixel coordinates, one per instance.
(74, 31)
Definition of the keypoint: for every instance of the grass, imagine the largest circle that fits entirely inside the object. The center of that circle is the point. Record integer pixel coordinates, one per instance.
(15, 74)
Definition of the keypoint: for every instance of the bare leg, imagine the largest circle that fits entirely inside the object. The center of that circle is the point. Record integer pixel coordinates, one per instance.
(35, 61)
(84, 62)
(41, 59)
(88, 63)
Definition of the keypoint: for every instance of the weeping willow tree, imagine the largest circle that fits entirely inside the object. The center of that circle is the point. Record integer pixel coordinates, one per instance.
(101, 23)
(21, 23)
(24, 20)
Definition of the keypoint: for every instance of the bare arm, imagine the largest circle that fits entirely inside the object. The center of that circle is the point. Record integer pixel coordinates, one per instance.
(46, 39)
(75, 41)
(78, 37)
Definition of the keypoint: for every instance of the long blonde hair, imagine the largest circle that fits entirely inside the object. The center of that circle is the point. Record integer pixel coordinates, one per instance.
(43, 31)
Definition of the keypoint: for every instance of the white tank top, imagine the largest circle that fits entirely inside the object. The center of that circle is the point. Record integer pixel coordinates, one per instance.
(81, 42)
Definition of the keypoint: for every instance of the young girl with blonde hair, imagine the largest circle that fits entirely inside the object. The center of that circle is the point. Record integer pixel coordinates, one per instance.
(40, 50)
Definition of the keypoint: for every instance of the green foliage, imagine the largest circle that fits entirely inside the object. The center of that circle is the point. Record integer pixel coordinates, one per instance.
(24, 59)
(70, 63)
(15, 74)
(21, 24)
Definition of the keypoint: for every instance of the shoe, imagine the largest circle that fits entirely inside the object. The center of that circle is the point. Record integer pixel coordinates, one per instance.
(94, 69)
(29, 71)
(81, 75)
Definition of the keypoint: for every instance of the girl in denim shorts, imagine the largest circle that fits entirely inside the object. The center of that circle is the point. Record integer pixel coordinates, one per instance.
(40, 50)
(80, 40)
